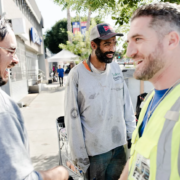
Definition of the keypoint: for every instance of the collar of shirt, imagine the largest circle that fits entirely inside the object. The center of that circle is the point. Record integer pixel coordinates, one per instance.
(95, 70)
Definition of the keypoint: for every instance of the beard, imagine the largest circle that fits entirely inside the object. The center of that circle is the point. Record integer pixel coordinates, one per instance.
(152, 64)
(2, 81)
(102, 56)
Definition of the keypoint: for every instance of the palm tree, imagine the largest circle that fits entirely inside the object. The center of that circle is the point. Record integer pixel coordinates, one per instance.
(69, 23)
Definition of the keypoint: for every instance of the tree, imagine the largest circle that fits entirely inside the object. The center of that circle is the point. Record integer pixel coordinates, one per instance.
(80, 45)
(57, 34)
(66, 5)
(122, 8)
(69, 23)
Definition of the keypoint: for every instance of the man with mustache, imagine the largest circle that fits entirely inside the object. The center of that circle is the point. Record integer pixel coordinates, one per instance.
(15, 162)
(99, 115)
(154, 44)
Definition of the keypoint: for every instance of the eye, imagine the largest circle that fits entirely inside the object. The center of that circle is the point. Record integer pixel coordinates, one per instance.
(11, 52)
(138, 39)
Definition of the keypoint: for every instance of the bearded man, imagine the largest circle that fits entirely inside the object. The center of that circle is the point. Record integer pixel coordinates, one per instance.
(99, 115)
(154, 45)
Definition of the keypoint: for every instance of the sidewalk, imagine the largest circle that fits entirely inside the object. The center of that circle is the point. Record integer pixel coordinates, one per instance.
(40, 117)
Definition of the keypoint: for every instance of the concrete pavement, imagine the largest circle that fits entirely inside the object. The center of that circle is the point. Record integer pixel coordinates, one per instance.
(40, 117)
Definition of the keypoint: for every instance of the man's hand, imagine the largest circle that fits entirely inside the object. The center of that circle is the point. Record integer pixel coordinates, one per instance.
(124, 175)
(57, 173)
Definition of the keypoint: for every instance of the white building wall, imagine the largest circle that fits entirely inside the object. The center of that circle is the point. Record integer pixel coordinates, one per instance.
(27, 51)
(12, 12)
(19, 90)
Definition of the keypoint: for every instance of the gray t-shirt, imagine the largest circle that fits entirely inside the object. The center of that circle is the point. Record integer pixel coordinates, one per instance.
(15, 162)
(99, 114)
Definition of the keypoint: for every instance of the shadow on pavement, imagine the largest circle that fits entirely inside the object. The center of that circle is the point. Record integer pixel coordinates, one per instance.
(57, 89)
(42, 163)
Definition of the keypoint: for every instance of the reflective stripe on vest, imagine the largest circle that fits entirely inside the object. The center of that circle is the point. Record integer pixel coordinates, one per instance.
(179, 162)
(163, 168)
(143, 102)
(164, 150)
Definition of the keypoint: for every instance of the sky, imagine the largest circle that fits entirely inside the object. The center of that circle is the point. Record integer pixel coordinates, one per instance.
(52, 13)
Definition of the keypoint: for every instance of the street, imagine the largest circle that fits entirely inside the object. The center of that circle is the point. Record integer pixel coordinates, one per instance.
(40, 117)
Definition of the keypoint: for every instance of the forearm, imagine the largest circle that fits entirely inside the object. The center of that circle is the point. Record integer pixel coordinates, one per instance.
(72, 107)
(57, 173)
(124, 175)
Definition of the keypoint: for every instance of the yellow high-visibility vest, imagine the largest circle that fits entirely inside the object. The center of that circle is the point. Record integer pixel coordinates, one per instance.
(156, 155)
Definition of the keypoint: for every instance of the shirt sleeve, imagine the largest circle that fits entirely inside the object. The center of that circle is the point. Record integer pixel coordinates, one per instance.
(15, 160)
(73, 123)
(129, 115)
(33, 176)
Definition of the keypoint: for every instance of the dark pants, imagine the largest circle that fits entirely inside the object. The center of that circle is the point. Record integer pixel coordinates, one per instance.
(107, 166)
(60, 80)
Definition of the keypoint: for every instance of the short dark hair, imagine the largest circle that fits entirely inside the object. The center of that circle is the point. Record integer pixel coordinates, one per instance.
(4, 29)
(97, 41)
(161, 13)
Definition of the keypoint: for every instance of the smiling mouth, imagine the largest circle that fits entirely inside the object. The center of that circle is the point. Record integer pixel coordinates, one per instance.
(109, 55)
(139, 62)
(9, 67)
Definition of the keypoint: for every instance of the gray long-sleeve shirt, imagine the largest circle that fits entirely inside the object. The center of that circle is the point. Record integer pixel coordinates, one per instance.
(15, 163)
(98, 112)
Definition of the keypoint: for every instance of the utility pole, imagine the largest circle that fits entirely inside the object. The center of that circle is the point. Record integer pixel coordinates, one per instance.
(1, 7)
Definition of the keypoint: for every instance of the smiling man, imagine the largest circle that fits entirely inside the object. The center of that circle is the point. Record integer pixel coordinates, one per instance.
(15, 162)
(154, 45)
(99, 114)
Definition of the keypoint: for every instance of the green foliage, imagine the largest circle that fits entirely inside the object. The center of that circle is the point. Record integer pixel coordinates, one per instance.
(121, 10)
(125, 48)
(57, 34)
(172, 1)
(98, 19)
(80, 45)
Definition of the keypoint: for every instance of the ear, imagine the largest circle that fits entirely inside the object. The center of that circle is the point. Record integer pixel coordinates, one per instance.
(173, 38)
(93, 45)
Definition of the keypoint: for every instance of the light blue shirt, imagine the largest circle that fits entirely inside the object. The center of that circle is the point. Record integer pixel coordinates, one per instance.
(158, 95)
(15, 162)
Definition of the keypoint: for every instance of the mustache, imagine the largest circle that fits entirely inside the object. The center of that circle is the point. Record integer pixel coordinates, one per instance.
(12, 64)
(110, 52)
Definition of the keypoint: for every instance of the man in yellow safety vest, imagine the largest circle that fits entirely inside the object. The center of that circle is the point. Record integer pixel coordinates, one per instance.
(154, 45)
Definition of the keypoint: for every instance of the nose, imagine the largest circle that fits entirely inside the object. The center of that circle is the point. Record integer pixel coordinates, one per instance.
(15, 59)
(113, 48)
(131, 50)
